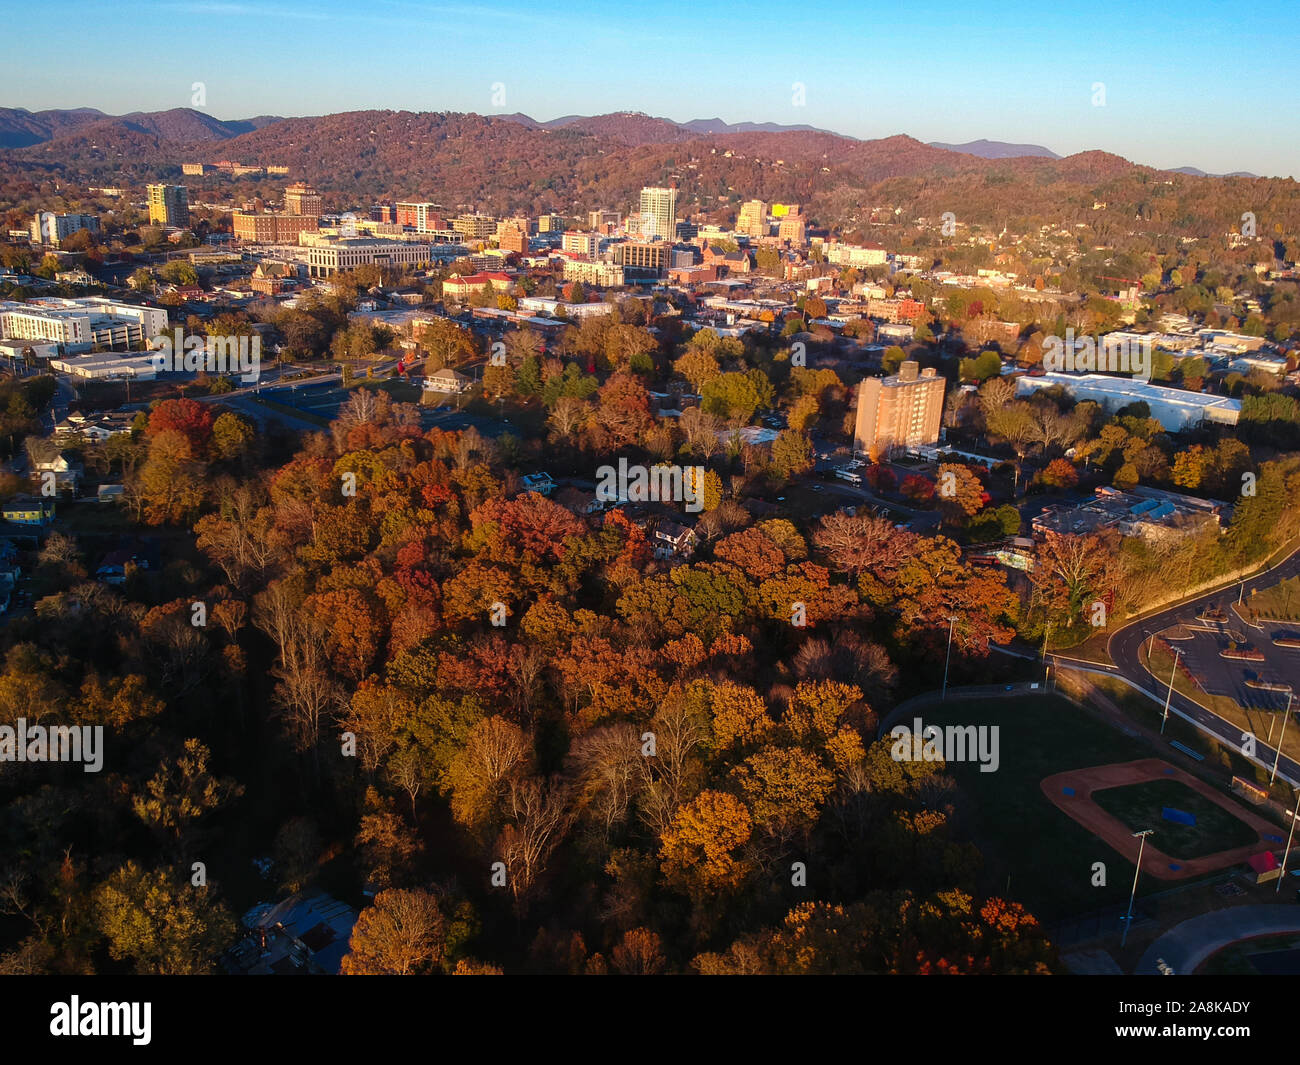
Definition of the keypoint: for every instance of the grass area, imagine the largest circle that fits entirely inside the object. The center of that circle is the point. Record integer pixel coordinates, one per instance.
(1235, 960)
(92, 518)
(1093, 649)
(1281, 602)
(1033, 851)
(1261, 723)
(1144, 712)
(1140, 806)
(401, 390)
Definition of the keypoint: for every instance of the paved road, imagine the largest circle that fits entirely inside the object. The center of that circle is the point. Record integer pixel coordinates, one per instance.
(1124, 648)
(1186, 945)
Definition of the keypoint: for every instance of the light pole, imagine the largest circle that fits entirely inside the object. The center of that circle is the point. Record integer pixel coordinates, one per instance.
(1287, 853)
(1169, 696)
(1046, 633)
(1128, 920)
(1281, 739)
(952, 620)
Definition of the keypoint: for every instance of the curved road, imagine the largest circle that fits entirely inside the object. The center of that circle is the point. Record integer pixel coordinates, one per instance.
(1186, 945)
(1125, 644)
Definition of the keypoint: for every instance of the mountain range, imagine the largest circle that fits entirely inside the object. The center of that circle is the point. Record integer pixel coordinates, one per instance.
(20, 128)
(509, 163)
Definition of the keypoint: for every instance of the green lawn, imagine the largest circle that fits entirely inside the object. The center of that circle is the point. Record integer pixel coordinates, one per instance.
(1139, 806)
(1235, 960)
(1046, 855)
(1281, 601)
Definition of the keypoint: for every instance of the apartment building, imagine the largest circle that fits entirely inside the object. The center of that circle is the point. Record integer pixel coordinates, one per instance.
(593, 272)
(587, 244)
(169, 205)
(53, 229)
(793, 228)
(753, 219)
(905, 410)
(420, 215)
(853, 255)
(513, 237)
(475, 227)
(301, 199)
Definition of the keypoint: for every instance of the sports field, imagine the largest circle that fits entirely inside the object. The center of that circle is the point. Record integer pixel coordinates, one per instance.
(1046, 856)
(1142, 806)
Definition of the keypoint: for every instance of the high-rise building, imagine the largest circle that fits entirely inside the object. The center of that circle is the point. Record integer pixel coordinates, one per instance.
(50, 228)
(169, 205)
(905, 410)
(300, 198)
(638, 255)
(511, 236)
(420, 215)
(793, 228)
(753, 219)
(475, 226)
(658, 210)
(551, 223)
(598, 219)
(587, 244)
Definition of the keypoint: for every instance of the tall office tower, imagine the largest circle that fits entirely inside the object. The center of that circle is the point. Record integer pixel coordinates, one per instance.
(301, 198)
(658, 213)
(753, 219)
(905, 410)
(169, 205)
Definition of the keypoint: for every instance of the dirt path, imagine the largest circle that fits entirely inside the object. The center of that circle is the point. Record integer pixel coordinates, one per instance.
(1120, 837)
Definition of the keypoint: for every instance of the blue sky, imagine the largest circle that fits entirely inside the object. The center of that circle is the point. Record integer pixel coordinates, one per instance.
(1200, 82)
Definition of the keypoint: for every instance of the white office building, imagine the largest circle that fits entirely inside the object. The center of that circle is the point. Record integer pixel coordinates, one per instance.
(658, 213)
(81, 324)
(1173, 408)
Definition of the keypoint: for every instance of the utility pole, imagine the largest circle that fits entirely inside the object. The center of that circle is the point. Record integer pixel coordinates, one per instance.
(1169, 697)
(1287, 853)
(1046, 632)
(1128, 920)
(952, 620)
(1281, 739)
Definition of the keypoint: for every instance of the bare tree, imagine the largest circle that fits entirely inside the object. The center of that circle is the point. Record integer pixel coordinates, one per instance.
(539, 816)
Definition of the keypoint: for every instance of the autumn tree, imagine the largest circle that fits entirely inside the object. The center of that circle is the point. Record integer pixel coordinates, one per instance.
(403, 933)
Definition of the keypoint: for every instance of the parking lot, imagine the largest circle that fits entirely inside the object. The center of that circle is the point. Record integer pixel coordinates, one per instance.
(1202, 643)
